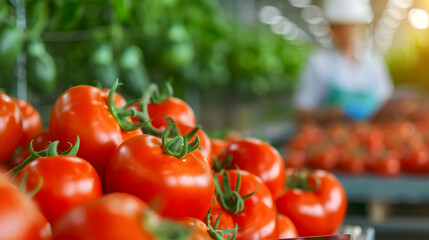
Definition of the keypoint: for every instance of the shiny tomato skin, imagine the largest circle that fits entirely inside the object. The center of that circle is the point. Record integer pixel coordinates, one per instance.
(226, 219)
(315, 213)
(19, 216)
(10, 126)
(305, 210)
(259, 158)
(31, 121)
(205, 144)
(173, 107)
(181, 187)
(67, 182)
(40, 142)
(82, 110)
(199, 229)
(286, 227)
(258, 218)
(111, 217)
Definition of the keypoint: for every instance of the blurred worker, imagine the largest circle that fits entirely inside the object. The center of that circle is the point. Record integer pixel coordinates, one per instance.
(344, 82)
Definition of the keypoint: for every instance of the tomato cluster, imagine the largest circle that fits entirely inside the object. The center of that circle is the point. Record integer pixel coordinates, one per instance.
(385, 148)
(110, 169)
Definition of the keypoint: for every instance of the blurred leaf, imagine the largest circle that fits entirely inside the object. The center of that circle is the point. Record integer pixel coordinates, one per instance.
(10, 45)
(37, 18)
(122, 9)
(41, 73)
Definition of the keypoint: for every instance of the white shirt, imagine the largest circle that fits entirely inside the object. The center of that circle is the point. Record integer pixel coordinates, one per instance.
(368, 72)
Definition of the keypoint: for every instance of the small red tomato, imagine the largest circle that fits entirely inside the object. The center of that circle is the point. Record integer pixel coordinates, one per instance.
(315, 202)
(10, 126)
(387, 165)
(67, 182)
(147, 167)
(19, 216)
(324, 158)
(111, 217)
(286, 227)
(294, 158)
(31, 121)
(416, 161)
(175, 108)
(218, 145)
(354, 163)
(259, 158)
(40, 142)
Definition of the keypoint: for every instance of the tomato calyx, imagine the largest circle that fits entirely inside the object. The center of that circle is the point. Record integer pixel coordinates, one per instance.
(122, 113)
(50, 151)
(164, 229)
(301, 179)
(224, 164)
(154, 95)
(158, 96)
(213, 230)
(179, 146)
(230, 200)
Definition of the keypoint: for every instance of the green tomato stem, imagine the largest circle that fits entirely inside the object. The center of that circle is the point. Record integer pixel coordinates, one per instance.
(230, 200)
(177, 145)
(50, 151)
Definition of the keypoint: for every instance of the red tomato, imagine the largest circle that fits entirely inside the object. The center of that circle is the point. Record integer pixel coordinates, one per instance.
(199, 229)
(232, 136)
(83, 111)
(286, 227)
(67, 182)
(417, 161)
(173, 107)
(31, 121)
(111, 217)
(387, 165)
(319, 211)
(257, 219)
(259, 158)
(323, 157)
(40, 142)
(205, 144)
(181, 187)
(308, 134)
(294, 158)
(218, 146)
(338, 133)
(19, 216)
(354, 163)
(10, 127)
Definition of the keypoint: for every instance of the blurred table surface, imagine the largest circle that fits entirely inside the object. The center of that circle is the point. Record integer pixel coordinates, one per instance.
(403, 189)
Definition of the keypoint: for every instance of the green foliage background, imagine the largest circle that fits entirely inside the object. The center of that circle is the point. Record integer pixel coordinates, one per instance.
(196, 42)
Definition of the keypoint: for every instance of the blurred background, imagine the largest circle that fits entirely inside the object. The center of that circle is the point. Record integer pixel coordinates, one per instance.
(236, 62)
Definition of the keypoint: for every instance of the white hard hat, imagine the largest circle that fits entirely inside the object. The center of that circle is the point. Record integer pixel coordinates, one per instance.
(348, 11)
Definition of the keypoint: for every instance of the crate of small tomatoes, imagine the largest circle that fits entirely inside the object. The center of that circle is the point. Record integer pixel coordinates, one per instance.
(110, 169)
(386, 148)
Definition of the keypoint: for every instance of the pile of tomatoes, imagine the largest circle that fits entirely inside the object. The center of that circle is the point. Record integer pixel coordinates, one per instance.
(385, 148)
(110, 169)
